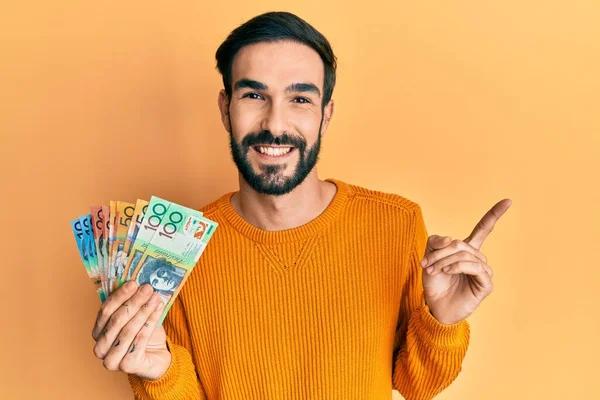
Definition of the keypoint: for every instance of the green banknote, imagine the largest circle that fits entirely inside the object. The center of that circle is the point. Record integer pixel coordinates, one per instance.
(157, 208)
(204, 232)
(172, 252)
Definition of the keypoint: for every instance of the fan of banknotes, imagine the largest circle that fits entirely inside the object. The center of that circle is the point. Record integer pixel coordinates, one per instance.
(156, 242)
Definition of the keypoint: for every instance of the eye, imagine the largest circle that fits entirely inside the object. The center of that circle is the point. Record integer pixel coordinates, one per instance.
(154, 282)
(250, 95)
(304, 100)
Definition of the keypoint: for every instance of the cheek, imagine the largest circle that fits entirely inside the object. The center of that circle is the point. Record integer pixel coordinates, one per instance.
(308, 125)
(244, 120)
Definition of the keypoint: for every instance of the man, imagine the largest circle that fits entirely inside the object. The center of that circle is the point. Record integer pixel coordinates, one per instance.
(309, 289)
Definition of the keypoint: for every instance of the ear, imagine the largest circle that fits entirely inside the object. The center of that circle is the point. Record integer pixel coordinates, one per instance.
(223, 103)
(327, 115)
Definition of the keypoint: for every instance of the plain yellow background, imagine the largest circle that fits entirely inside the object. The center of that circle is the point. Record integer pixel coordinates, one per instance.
(455, 105)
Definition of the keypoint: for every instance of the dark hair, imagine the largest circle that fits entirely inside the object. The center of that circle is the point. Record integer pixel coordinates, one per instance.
(274, 27)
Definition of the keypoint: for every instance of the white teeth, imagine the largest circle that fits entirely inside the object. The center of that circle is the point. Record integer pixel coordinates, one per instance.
(274, 151)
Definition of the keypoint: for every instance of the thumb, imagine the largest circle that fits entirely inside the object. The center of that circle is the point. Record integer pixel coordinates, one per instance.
(436, 242)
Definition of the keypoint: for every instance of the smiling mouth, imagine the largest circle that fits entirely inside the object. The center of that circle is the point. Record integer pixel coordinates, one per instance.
(273, 151)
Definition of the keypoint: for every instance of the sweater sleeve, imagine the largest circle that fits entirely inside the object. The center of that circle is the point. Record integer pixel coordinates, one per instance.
(180, 381)
(428, 355)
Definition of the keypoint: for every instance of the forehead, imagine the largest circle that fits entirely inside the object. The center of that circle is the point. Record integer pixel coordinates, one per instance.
(278, 64)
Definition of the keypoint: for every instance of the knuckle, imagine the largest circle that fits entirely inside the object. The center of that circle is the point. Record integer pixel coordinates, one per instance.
(115, 320)
(138, 299)
(112, 321)
(149, 308)
(107, 304)
(109, 364)
(97, 352)
(104, 314)
(126, 332)
(128, 365)
(148, 296)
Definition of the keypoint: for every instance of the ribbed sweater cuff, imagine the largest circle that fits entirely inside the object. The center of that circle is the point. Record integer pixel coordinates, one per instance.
(169, 386)
(429, 329)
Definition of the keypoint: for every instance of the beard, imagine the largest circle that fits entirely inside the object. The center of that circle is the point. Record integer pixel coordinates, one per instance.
(270, 180)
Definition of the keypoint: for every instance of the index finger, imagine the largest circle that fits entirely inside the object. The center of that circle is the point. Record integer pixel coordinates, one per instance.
(487, 223)
(112, 303)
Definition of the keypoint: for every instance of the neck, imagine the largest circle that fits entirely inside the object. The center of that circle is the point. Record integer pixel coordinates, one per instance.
(274, 213)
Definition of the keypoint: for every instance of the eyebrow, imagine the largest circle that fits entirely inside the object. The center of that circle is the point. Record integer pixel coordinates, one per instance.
(293, 88)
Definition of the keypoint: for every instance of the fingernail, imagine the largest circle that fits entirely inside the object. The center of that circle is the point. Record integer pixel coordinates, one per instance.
(430, 270)
(424, 262)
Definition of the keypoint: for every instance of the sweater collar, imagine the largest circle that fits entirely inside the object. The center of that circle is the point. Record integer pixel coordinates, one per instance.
(287, 235)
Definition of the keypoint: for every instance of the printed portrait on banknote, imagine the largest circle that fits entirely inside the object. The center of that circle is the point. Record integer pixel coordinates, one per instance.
(161, 275)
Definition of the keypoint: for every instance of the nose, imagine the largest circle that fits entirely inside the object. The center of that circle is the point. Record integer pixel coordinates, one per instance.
(274, 119)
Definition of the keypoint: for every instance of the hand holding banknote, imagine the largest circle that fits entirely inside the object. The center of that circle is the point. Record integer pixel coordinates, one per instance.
(126, 332)
(153, 246)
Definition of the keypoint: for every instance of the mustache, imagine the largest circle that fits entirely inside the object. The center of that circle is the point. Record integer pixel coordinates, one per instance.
(266, 137)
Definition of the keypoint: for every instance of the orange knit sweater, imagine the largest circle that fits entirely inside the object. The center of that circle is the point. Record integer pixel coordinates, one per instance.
(332, 309)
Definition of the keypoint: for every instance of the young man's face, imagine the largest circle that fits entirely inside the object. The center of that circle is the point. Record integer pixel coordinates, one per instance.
(274, 116)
